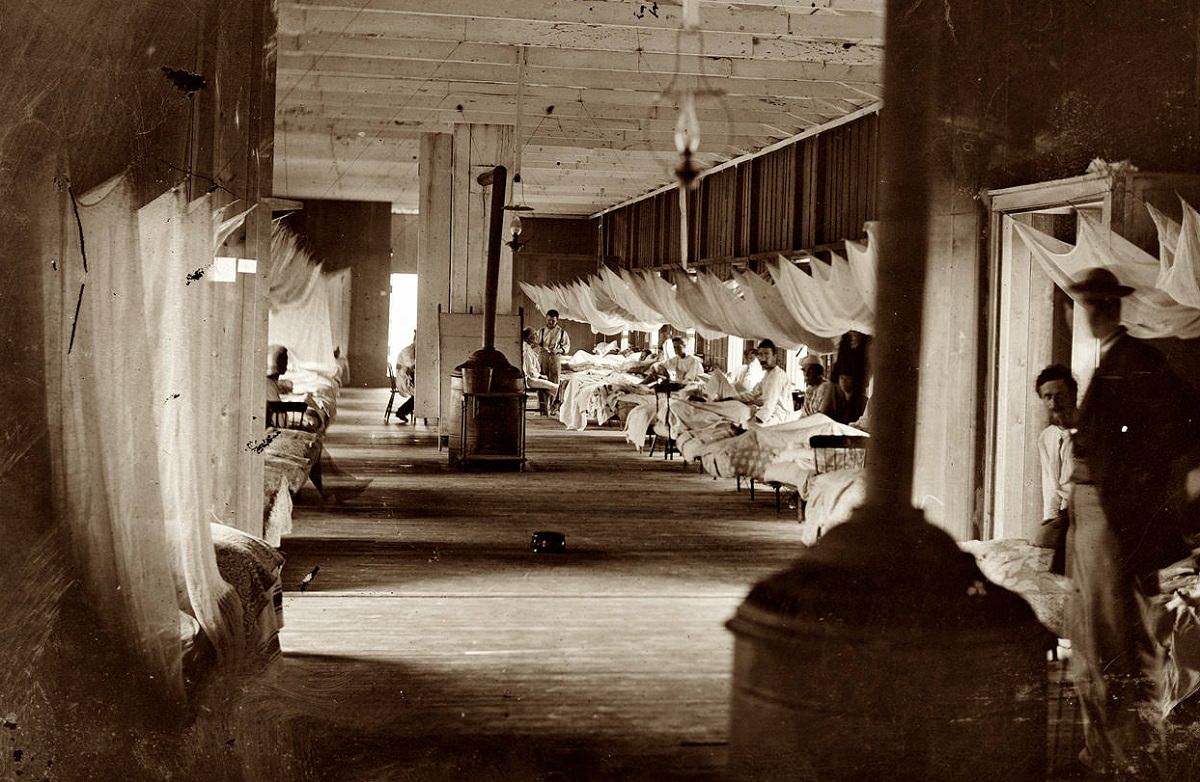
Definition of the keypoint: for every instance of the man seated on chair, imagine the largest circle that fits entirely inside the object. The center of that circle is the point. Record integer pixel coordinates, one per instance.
(775, 387)
(277, 364)
(404, 369)
(681, 368)
(532, 365)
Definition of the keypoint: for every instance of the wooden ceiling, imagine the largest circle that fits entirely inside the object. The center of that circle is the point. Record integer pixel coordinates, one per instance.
(360, 80)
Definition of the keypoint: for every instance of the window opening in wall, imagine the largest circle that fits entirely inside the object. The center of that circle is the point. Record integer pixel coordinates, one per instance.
(734, 354)
(402, 314)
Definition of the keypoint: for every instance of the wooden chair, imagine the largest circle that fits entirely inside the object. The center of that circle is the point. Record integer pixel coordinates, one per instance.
(286, 415)
(387, 413)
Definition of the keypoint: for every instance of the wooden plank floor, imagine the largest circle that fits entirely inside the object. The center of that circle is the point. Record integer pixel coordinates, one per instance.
(434, 645)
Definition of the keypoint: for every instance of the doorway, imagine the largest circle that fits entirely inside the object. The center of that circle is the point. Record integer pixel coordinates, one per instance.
(1036, 327)
(402, 314)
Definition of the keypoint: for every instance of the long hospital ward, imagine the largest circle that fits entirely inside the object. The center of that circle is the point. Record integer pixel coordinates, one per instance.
(599, 391)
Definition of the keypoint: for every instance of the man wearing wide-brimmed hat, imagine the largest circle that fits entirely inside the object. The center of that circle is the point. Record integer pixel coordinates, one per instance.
(1138, 417)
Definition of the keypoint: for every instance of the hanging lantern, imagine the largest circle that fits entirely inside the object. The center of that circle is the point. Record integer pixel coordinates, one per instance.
(687, 141)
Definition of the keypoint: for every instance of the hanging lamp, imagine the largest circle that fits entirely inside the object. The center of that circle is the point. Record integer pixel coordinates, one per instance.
(517, 208)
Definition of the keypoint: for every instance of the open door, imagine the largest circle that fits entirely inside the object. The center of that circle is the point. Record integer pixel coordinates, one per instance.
(1033, 323)
(1036, 327)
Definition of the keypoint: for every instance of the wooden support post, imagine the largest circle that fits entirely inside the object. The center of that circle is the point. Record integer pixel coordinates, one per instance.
(477, 148)
(434, 242)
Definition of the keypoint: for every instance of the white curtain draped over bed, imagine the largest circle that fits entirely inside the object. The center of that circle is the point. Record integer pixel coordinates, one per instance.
(1149, 312)
(337, 289)
(299, 294)
(141, 362)
(794, 308)
(193, 356)
(100, 409)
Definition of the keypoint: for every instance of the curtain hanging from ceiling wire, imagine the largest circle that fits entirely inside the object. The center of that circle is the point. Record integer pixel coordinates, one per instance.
(1148, 312)
(794, 308)
(1179, 255)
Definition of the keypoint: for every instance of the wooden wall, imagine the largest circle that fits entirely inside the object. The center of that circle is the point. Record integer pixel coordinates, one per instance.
(1048, 98)
(809, 195)
(84, 96)
(357, 235)
(555, 250)
(86, 89)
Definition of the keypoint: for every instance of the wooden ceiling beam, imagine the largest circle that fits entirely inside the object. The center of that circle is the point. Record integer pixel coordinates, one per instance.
(548, 57)
(405, 99)
(502, 110)
(650, 140)
(807, 44)
(863, 6)
(811, 22)
(320, 146)
(433, 120)
(656, 84)
(455, 91)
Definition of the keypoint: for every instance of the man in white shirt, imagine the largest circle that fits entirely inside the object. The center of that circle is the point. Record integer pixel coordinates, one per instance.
(403, 370)
(1057, 389)
(681, 368)
(747, 377)
(532, 366)
(776, 388)
(741, 384)
(818, 392)
(554, 343)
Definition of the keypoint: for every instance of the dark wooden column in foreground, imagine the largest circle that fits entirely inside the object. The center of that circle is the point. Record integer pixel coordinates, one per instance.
(883, 653)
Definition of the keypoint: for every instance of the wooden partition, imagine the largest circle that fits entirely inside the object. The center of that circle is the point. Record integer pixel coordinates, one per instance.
(459, 335)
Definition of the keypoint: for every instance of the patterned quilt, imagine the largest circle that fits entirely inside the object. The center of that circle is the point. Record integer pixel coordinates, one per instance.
(1020, 566)
(777, 452)
(253, 568)
(288, 455)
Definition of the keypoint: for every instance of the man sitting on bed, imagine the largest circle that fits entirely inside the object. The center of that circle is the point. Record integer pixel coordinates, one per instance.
(749, 375)
(742, 384)
(1057, 389)
(818, 392)
(775, 387)
(681, 368)
(531, 363)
